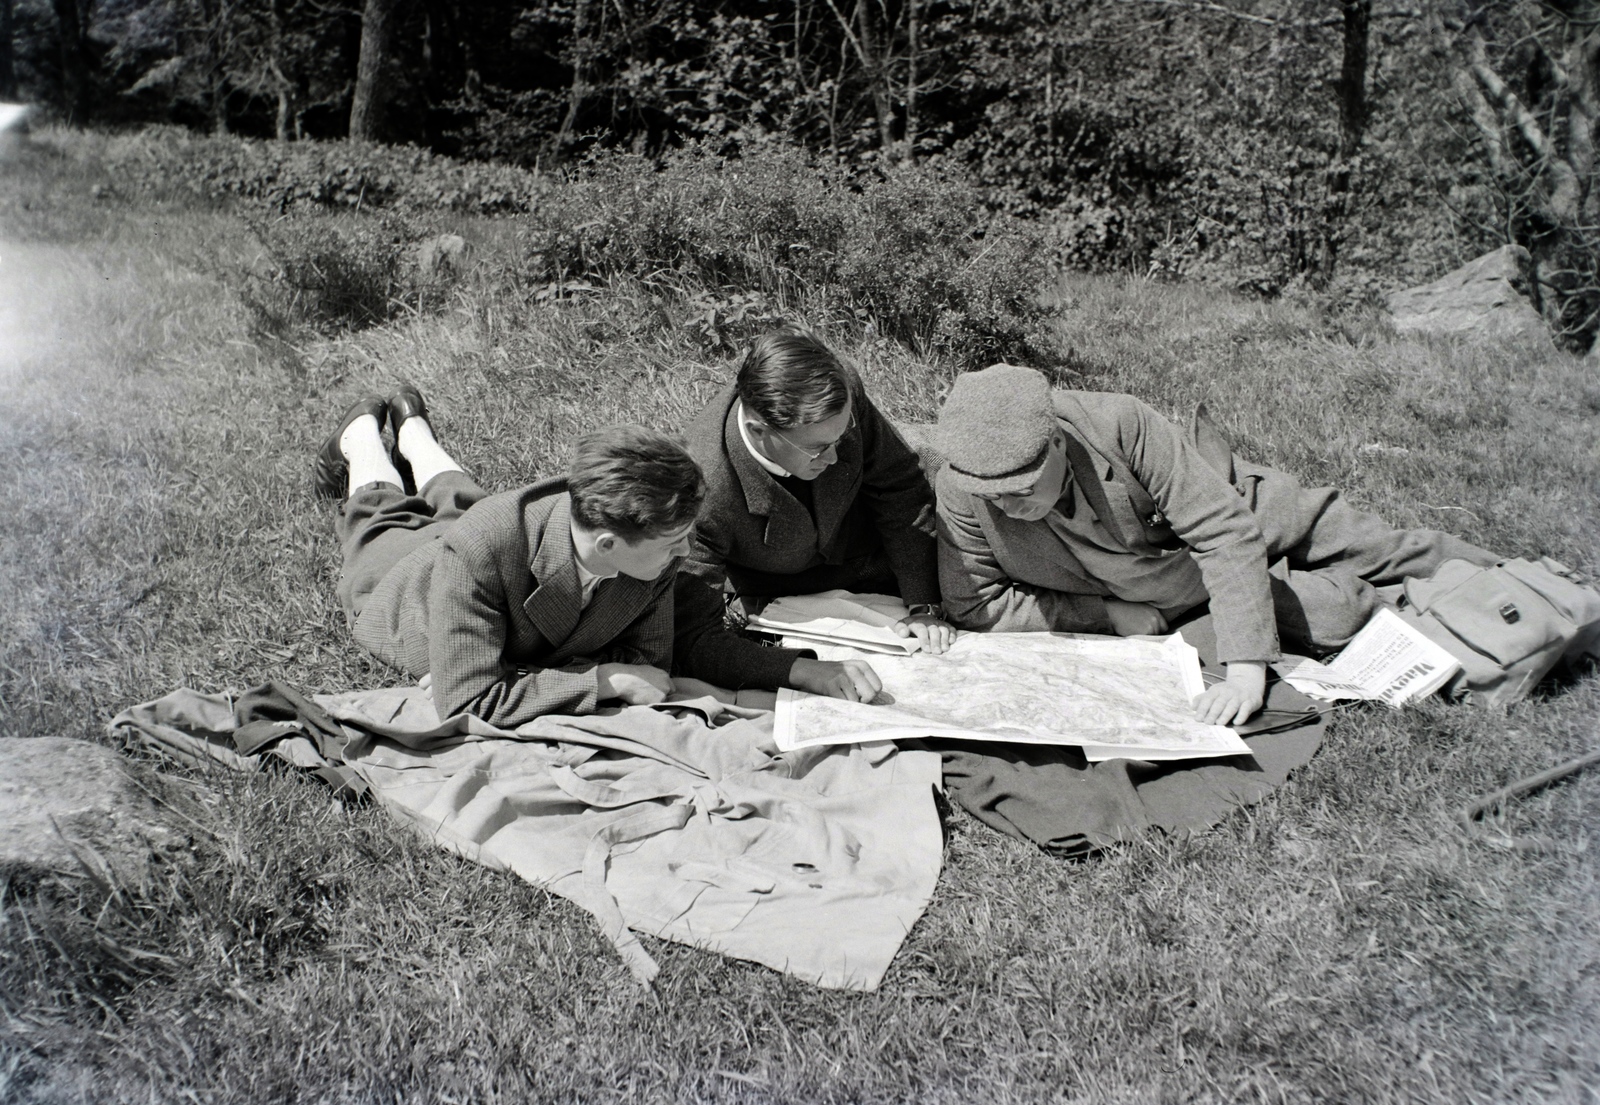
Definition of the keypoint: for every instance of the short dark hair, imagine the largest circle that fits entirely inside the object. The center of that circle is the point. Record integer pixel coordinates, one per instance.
(635, 482)
(789, 378)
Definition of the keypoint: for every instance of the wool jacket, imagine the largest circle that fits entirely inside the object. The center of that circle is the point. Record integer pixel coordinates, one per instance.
(999, 573)
(493, 611)
(873, 498)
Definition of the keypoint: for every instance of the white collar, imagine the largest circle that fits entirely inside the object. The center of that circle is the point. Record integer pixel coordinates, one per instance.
(744, 435)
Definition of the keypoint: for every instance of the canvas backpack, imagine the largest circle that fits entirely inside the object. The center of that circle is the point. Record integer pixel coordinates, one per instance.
(1509, 624)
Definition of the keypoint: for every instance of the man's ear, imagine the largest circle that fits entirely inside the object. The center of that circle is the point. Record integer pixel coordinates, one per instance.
(605, 543)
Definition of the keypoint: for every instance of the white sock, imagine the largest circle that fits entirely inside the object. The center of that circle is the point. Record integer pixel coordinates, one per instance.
(426, 456)
(362, 445)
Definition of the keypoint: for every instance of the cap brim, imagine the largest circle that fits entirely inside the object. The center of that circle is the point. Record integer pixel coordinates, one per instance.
(1006, 483)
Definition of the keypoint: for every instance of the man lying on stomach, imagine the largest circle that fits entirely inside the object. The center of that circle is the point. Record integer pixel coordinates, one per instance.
(1090, 513)
(809, 488)
(549, 599)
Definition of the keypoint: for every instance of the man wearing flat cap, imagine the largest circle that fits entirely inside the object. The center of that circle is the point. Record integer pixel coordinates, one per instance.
(1089, 512)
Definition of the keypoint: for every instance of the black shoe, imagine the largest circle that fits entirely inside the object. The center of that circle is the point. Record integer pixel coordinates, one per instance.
(330, 472)
(403, 404)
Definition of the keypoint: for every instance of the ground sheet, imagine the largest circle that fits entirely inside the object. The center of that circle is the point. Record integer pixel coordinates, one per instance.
(682, 822)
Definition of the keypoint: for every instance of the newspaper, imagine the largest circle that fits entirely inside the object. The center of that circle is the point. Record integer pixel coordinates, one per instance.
(1113, 697)
(1388, 662)
(838, 617)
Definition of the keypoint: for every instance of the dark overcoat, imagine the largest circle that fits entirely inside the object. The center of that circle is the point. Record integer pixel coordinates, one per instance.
(873, 501)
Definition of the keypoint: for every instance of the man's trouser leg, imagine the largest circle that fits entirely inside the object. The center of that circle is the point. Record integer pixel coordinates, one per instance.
(380, 525)
(1327, 558)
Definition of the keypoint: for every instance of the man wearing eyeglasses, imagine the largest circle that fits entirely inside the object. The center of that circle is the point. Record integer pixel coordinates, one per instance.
(1091, 513)
(809, 488)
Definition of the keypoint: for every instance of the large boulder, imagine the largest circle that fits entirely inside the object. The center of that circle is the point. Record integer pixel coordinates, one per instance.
(1483, 298)
(68, 807)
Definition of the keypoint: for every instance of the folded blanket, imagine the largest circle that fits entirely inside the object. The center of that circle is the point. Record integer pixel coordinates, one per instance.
(682, 821)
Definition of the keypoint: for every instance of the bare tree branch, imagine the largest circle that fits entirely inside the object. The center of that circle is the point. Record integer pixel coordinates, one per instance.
(1208, 6)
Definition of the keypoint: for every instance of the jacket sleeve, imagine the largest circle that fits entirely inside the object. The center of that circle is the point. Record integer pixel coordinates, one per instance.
(1212, 519)
(897, 492)
(979, 594)
(704, 647)
(468, 623)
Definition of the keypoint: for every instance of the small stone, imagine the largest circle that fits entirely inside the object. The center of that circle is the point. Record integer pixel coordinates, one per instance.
(441, 253)
(68, 805)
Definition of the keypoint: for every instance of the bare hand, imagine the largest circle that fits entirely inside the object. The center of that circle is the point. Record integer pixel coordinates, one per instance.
(1232, 701)
(635, 684)
(851, 680)
(1133, 619)
(935, 634)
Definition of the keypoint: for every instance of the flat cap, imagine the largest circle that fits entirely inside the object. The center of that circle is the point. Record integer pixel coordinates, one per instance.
(994, 426)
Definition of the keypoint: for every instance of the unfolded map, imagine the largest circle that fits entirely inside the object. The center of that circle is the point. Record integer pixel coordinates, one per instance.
(1113, 696)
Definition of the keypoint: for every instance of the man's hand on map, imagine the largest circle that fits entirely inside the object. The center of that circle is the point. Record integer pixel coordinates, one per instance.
(935, 634)
(851, 680)
(1232, 701)
(635, 684)
(1133, 619)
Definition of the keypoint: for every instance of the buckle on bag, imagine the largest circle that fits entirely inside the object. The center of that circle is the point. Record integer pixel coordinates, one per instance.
(1510, 614)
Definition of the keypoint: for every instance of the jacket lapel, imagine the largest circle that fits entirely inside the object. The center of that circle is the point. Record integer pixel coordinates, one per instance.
(557, 597)
(1106, 497)
(1031, 552)
(787, 522)
(616, 602)
(834, 491)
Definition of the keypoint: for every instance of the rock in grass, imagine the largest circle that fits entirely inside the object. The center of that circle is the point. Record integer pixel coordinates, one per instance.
(441, 254)
(1482, 298)
(68, 807)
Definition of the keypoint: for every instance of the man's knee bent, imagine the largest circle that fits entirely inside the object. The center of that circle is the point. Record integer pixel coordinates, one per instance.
(1321, 611)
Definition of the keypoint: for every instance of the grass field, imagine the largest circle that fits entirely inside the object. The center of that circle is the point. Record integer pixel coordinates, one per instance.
(1345, 940)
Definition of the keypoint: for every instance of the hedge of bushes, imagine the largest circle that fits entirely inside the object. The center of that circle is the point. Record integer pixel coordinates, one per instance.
(911, 251)
(352, 175)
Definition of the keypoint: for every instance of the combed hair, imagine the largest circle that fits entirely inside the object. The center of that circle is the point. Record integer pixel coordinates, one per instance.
(635, 482)
(788, 378)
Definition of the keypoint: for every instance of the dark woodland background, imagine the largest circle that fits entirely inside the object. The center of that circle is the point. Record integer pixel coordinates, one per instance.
(1339, 148)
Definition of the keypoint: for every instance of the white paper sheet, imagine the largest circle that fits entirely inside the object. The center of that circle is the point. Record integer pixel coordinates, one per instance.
(839, 617)
(1115, 697)
(1388, 662)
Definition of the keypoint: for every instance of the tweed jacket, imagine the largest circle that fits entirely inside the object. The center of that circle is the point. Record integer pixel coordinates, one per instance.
(874, 497)
(1003, 574)
(493, 610)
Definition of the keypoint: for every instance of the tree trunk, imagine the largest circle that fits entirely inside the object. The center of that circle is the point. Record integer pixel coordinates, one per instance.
(913, 123)
(877, 78)
(378, 21)
(1353, 78)
(442, 55)
(578, 90)
(1353, 112)
(8, 67)
(74, 60)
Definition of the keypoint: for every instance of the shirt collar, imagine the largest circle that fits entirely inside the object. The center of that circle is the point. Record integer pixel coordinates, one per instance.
(586, 579)
(744, 435)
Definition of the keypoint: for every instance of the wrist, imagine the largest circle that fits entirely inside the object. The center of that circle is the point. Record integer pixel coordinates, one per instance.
(1252, 672)
(801, 671)
(930, 609)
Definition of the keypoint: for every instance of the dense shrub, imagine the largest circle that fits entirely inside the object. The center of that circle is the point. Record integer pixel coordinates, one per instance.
(346, 175)
(912, 251)
(330, 276)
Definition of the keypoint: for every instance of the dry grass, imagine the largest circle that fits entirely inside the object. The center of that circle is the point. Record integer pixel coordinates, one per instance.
(1342, 941)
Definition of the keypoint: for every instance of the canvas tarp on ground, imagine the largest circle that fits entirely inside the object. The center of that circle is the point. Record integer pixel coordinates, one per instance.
(683, 822)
